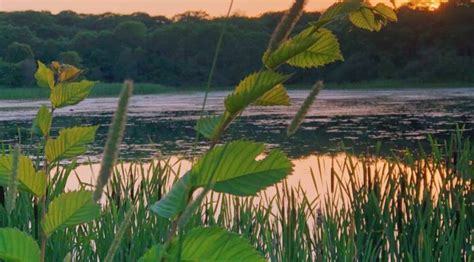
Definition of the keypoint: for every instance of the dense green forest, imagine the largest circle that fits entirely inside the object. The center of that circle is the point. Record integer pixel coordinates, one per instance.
(424, 46)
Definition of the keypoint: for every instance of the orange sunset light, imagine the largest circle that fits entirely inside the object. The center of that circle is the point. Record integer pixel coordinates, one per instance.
(165, 7)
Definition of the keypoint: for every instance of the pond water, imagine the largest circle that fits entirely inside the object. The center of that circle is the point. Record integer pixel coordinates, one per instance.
(339, 120)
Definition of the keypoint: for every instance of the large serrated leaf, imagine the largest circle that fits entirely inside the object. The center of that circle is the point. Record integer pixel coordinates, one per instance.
(29, 180)
(175, 200)
(386, 12)
(70, 209)
(42, 122)
(340, 9)
(325, 50)
(251, 89)
(275, 97)
(291, 48)
(207, 125)
(44, 76)
(70, 143)
(233, 168)
(68, 94)
(18, 246)
(364, 18)
(214, 244)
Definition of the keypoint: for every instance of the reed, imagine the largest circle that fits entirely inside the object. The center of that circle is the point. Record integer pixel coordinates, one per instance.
(303, 111)
(411, 206)
(119, 235)
(286, 24)
(114, 139)
(12, 188)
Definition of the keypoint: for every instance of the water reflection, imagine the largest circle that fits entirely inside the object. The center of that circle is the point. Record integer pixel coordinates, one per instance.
(164, 124)
(316, 177)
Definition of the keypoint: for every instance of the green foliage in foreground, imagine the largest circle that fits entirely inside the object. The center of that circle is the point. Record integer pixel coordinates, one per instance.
(59, 210)
(358, 219)
(378, 215)
(232, 168)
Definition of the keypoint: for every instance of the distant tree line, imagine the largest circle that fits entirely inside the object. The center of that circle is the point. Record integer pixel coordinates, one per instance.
(434, 46)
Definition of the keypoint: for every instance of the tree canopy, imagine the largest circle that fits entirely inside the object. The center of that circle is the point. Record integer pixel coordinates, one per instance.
(424, 45)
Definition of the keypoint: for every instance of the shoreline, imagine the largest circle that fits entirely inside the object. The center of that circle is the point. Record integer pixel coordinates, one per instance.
(113, 89)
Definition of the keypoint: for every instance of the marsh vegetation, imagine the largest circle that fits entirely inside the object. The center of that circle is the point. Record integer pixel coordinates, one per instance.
(232, 199)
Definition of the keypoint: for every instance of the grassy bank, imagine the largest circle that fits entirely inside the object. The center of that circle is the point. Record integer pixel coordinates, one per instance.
(100, 90)
(113, 89)
(412, 208)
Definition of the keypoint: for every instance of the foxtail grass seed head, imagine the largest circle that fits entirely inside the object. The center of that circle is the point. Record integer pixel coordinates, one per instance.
(114, 139)
(12, 187)
(286, 24)
(299, 117)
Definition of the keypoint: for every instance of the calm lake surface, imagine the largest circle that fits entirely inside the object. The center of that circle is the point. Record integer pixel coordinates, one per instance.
(340, 120)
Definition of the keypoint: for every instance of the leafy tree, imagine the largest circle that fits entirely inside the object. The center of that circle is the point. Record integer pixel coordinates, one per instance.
(27, 69)
(131, 33)
(11, 33)
(191, 16)
(179, 52)
(70, 58)
(17, 52)
(10, 74)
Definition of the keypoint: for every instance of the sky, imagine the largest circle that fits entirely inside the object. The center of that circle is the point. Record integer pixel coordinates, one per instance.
(158, 7)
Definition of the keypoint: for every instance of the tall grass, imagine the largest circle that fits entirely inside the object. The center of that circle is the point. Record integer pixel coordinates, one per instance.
(414, 207)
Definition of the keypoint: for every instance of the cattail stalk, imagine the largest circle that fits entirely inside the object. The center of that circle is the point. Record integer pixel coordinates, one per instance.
(119, 235)
(114, 138)
(300, 116)
(12, 188)
(286, 24)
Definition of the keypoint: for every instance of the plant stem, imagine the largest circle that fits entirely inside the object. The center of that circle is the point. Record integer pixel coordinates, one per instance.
(119, 235)
(175, 225)
(43, 201)
(12, 188)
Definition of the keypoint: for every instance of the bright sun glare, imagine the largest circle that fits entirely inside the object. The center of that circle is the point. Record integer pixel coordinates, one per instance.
(425, 4)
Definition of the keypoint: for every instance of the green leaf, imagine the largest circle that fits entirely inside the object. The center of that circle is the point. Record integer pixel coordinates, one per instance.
(18, 246)
(291, 48)
(30, 180)
(340, 9)
(44, 76)
(42, 122)
(275, 97)
(68, 72)
(70, 209)
(70, 143)
(386, 12)
(233, 168)
(68, 94)
(155, 253)
(365, 19)
(216, 244)
(175, 200)
(251, 89)
(207, 125)
(323, 51)
(310, 48)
